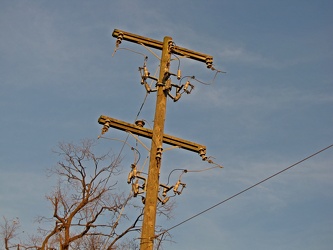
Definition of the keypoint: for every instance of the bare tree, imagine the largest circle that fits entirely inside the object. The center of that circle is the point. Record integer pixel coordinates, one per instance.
(9, 230)
(84, 197)
(88, 211)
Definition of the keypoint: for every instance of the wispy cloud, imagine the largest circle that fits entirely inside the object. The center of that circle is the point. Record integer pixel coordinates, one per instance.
(241, 55)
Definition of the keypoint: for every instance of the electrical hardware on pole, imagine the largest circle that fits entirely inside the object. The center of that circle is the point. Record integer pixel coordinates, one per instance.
(151, 185)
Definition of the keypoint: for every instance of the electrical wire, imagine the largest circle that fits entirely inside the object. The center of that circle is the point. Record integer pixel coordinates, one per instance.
(245, 190)
(150, 51)
(125, 141)
(180, 81)
(144, 164)
(145, 99)
(202, 82)
(141, 107)
(131, 51)
(191, 171)
(208, 83)
(183, 169)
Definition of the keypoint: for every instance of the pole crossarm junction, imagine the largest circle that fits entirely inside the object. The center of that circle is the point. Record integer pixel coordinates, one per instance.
(148, 133)
(159, 45)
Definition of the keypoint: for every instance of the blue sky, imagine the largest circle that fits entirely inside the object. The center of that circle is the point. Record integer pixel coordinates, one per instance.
(272, 108)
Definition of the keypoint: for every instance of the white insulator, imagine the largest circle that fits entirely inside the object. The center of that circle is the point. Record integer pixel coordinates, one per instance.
(179, 74)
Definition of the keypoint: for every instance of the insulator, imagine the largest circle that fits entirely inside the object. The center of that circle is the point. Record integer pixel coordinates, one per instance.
(165, 189)
(159, 153)
(119, 39)
(209, 62)
(130, 177)
(183, 186)
(140, 123)
(171, 45)
(105, 127)
(165, 200)
(188, 90)
(132, 174)
(177, 97)
(147, 87)
(145, 72)
(179, 74)
(175, 188)
(167, 85)
(135, 188)
(186, 85)
(202, 153)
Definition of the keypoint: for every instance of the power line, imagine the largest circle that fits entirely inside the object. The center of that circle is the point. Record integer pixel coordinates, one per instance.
(245, 190)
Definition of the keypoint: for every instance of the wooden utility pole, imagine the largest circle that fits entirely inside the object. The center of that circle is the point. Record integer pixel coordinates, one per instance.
(149, 216)
(157, 134)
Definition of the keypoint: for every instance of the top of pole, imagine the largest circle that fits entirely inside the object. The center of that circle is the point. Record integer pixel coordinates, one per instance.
(208, 59)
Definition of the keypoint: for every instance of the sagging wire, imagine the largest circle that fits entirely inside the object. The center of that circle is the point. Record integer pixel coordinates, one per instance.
(183, 185)
(179, 186)
(212, 81)
(183, 88)
(176, 169)
(179, 183)
(246, 189)
(136, 52)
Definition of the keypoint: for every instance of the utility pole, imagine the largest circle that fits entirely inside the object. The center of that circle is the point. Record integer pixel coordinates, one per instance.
(157, 135)
(149, 216)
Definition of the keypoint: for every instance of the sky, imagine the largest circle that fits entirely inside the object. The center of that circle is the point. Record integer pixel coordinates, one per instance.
(272, 108)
